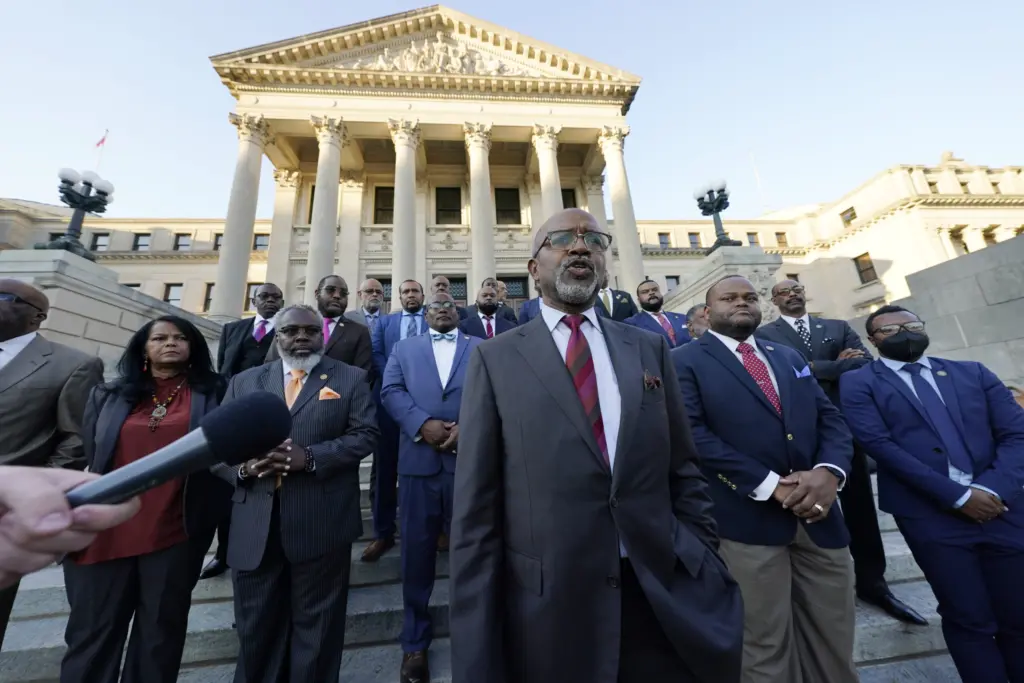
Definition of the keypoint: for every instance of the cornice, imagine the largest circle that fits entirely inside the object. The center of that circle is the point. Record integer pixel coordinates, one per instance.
(164, 256)
(688, 253)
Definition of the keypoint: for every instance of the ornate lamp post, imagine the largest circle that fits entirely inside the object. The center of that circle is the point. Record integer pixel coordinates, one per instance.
(712, 199)
(85, 193)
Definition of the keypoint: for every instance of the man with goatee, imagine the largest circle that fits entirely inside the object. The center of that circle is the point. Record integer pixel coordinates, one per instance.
(484, 322)
(672, 326)
(583, 547)
(371, 296)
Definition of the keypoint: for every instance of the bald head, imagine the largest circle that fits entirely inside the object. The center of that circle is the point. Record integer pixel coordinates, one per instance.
(22, 310)
(566, 219)
(371, 295)
(569, 260)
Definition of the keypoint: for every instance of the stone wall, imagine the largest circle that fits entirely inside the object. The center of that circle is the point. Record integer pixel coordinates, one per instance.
(974, 308)
(89, 310)
(751, 262)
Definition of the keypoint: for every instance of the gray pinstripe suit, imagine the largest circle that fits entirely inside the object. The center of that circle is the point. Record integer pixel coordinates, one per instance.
(290, 549)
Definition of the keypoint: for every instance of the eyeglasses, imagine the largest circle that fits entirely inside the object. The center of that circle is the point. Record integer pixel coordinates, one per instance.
(889, 330)
(796, 289)
(446, 305)
(566, 239)
(15, 299)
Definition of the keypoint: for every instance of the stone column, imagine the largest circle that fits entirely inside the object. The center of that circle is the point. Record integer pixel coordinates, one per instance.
(350, 240)
(631, 262)
(481, 205)
(282, 226)
(545, 143)
(233, 264)
(974, 239)
(406, 136)
(593, 186)
(323, 228)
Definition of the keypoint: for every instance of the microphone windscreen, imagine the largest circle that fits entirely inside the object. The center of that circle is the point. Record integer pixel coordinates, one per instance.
(247, 427)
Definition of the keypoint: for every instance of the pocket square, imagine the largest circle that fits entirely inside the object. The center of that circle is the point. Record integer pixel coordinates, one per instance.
(806, 372)
(328, 394)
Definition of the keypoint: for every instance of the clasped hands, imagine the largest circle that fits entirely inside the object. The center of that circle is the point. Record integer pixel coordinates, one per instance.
(287, 457)
(982, 506)
(444, 436)
(809, 494)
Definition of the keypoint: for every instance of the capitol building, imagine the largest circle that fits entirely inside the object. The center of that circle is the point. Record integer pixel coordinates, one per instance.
(431, 143)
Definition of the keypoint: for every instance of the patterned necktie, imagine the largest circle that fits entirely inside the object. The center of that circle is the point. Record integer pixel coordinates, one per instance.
(261, 331)
(584, 377)
(759, 371)
(371, 322)
(805, 334)
(444, 336)
(327, 328)
(412, 327)
(607, 301)
(938, 414)
(291, 394)
(488, 327)
(667, 326)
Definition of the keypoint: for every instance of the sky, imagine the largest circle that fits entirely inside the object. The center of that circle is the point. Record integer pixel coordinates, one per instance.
(816, 96)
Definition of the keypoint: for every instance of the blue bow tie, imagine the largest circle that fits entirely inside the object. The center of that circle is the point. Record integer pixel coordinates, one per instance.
(446, 336)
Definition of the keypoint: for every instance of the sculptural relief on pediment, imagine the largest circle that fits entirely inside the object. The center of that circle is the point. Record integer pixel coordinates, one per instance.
(442, 55)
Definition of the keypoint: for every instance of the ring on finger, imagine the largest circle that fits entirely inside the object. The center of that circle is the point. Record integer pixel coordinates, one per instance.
(819, 509)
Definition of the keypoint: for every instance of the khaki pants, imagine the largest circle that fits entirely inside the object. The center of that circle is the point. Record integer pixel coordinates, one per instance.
(798, 624)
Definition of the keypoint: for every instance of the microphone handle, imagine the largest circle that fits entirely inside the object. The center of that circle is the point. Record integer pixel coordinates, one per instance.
(186, 455)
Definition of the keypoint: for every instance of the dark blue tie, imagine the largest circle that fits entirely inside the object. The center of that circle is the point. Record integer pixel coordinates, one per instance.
(412, 327)
(941, 420)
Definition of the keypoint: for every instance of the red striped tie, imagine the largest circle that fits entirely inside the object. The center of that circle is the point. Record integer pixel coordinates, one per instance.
(490, 329)
(584, 377)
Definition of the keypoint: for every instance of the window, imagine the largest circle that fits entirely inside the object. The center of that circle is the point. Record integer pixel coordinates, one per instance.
(752, 239)
(208, 297)
(218, 241)
(781, 240)
(569, 199)
(172, 294)
(449, 206)
(383, 205)
(182, 242)
(460, 292)
(312, 196)
(795, 277)
(260, 242)
(506, 206)
(671, 282)
(990, 235)
(141, 242)
(694, 240)
(848, 216)
(100, 241)
(865, 268)
(964, 187)
(250, 292)
(933, 187)
(664, 240)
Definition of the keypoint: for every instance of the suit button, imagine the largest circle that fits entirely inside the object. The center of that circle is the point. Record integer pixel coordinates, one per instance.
(734, 487)
(936, 450)
(613, 582)
(615, 502)
(789, 436)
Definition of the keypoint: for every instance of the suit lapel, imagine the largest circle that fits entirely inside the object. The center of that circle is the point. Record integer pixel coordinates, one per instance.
(899, 385)
(461, 346)
(947, 388)
(733, 364)
(336, 335)
(629, 374)
(426, 352)
(784, 376)
(819, 331)
(272, 379)
(31, 358)
(793, 339)
(318, 377)
(112, 416)
(476, 326)
(539, 350)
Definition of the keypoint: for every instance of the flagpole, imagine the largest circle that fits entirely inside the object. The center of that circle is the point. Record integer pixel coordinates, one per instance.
(99, 149)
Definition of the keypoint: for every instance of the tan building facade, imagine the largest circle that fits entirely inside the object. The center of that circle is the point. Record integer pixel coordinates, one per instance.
(431, 142)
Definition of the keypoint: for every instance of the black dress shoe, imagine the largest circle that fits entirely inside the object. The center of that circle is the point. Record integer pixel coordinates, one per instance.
(215, 567)
(894, 607)
(415, 667)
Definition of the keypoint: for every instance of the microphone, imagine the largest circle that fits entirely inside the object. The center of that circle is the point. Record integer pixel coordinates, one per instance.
(245, 428)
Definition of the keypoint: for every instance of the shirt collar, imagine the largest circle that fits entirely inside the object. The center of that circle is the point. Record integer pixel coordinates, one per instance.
(792, 321)
(897, 365)
(417, 314)
(367, 314)
(655, 315)
(16, 345)
(553, 316)
(484, 316)
(256, 322)
(730, 343)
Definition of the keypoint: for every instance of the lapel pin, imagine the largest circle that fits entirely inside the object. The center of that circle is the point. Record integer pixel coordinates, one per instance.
(323, 376)
(941, 373)
(770, 348)
(817, 327)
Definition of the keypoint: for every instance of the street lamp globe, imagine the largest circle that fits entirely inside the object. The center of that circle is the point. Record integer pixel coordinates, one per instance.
(104, 187)
(83, 193)
(69, 176)
(91, 178)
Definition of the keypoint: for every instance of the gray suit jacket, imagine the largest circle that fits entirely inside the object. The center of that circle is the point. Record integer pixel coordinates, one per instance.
(319, 512)
(538, 519)
(356, 316)
(42, 398)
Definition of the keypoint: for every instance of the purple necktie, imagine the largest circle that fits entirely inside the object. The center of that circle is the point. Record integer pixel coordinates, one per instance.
(667, 326)
(581, 367)
(327, 328)
(261, 330)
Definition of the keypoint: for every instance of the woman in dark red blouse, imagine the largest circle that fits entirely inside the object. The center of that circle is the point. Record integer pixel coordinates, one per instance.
(146, 568)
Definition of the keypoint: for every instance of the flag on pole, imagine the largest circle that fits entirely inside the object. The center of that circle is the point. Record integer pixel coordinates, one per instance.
(103, 140)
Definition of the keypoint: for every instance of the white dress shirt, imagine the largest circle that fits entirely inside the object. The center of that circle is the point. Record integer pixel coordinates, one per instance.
(444, 356)
(288, 374)
(483, 321)
(792, 322)
(10, 349)
(256, 323)
(608, 397)
(964, 478)
(767, 487)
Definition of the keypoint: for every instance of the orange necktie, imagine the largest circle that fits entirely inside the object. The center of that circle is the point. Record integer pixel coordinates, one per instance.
(291, 394)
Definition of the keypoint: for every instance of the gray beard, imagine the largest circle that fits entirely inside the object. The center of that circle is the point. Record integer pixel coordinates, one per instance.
(304, 363)
(574, 293)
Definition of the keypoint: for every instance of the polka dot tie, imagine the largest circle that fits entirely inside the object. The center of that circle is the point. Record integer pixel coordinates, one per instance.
(759, 371)
(805, 334)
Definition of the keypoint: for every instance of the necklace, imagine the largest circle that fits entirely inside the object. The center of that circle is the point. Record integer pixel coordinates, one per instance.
(160, 411)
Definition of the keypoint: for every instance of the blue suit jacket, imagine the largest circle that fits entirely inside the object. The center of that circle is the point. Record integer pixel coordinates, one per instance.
(913, 469)
(412, 394)
(387, 333)
(740, 438)
(473, 326)
(644, 321)
(529, 310)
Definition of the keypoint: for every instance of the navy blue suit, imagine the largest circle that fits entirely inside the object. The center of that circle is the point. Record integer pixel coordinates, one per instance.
(529, 310)
(740, 438)
(474, 326)
(644, 321)
(412, 394)
(386, 334)
(974, 569)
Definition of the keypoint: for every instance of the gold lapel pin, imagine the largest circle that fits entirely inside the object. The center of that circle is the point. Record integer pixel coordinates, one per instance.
(770, 348)
(323, 376)
(941, 373)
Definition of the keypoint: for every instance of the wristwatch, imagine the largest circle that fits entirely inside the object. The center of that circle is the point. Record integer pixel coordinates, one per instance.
(310, 462)
(243, 473)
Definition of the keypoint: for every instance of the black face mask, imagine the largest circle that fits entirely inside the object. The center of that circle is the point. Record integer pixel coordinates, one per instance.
(904, 346)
